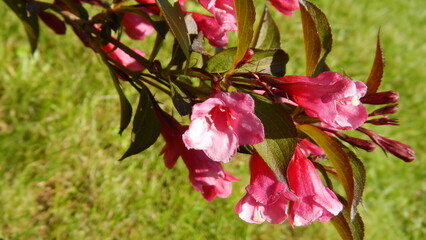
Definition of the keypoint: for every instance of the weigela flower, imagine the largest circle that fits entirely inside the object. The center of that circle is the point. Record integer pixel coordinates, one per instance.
(222, 123)
(316, 202)
(223, 11)
(285, 6)
(331, 97)
(266, 198)
(211, 30)
(206, 176)
(136, 27)
(123, 58)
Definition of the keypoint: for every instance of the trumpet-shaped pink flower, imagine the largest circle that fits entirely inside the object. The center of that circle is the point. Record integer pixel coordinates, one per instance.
(123, 58)
(316, 202)
(214, 32)
(223, 11)
(206, 176)
(266, 198)
(136, 27)
(222, 123)
(285, 6)
(331, 97)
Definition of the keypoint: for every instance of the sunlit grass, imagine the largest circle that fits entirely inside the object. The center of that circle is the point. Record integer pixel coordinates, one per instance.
(59, 141)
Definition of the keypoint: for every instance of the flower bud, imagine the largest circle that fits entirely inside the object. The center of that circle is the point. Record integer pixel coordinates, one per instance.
(381, 98)
(383, 121)
(368, 146)
(387, 110)
(396, 148)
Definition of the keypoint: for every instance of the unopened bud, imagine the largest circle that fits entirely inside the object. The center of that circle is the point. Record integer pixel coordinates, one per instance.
(396, 148)
(383, 121)
(381, 98)
(368, 146)
(390, 109)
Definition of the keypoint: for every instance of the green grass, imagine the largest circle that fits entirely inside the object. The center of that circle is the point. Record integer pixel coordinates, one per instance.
(59, 116)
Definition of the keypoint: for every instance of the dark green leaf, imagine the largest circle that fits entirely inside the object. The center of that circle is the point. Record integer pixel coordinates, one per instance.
(175, 19)
(146, 126)
(359, 178)
(347, 227)
(267, 34)
(376, 73)
(181, 100)
(246, 15)
(280, 136)
(317, 36)
(125, 106)
(338, 158)
(30, 21)
(265, 61)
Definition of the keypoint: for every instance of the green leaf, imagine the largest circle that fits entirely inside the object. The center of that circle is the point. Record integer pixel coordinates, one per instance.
(359, 178)
(125, 106)
(146, 126)
(347, 227)
(265, 61)
(181, 100)
(30, 21)
(376, 73)
(280, 136)
(267, 34)
(317, 37)
(246, 15)
(176, 21)
(338, 158)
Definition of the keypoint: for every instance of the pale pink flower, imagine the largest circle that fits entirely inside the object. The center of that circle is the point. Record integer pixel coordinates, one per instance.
(223, 11)
(211, 30)
(136, 27)
(285, 6)
(123, 58)
(331, 97)
(316, 202)
(266, 198)
(222, 123)
(206, 176)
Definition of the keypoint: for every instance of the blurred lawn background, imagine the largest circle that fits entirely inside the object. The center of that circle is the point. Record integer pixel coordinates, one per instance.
(59, 142)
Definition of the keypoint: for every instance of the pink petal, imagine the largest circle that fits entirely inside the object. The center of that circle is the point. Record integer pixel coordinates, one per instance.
(285, 6)
(198, 136)
(211, 30)
(249, 129)
(137, 27)
(224, 146)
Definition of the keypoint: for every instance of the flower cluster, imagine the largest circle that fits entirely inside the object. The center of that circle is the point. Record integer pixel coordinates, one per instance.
(238, 99)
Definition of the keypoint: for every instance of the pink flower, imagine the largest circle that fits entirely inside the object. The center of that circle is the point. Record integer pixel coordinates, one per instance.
(223, 11)
(222, 123)
(216, 35)
(317, 202)
(331, 97)
(285, 6)
(206, 176)
(123, 58)
(136, 27)
(266, 197)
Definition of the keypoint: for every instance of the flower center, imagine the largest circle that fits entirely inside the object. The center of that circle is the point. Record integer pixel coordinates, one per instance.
(221, 118)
